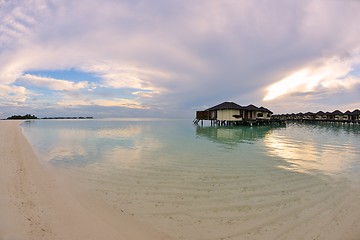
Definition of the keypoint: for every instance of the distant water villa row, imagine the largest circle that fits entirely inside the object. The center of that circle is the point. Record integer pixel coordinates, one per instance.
(230, 113)
(334, 117)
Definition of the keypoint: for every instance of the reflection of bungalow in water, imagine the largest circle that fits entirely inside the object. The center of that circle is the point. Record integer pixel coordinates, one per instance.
(231, 113)
(232, 135)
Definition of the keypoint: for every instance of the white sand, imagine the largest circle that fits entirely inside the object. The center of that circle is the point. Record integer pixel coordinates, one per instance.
(36, 204)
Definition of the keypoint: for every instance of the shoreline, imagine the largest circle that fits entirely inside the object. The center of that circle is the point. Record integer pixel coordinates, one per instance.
(36, 203)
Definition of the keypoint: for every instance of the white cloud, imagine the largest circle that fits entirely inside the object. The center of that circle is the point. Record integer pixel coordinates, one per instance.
(116, 102)
(128, 76)
(144, 94)
(52, 83)
(346, 83)
(18, 20)
(332, 74)
(13, 95)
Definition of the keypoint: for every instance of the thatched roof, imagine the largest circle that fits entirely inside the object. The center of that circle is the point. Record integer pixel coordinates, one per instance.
(232, 105)
(356, 112)
(309, 113)
(337, 112)
(265, 109)
(225, 105)
(252, 108)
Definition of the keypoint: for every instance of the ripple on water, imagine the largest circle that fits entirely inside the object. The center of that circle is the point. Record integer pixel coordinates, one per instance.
(227, 183)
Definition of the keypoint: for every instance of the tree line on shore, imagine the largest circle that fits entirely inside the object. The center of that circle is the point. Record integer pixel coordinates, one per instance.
(19, 117)
(29, 116)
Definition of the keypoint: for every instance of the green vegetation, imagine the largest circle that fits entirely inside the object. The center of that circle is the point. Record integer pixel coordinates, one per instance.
(18, 117)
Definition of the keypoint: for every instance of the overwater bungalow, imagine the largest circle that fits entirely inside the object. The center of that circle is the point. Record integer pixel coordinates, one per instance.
(336, 117)
(355, 115)
(252, 112)
(328, 115)
(226, 111)
(264, 113)
(298, 116)
(230, 113)
(320, 115)
(309, 116)
(347, 115)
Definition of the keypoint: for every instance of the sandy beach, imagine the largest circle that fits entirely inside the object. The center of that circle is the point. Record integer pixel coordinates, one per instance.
(36, 204)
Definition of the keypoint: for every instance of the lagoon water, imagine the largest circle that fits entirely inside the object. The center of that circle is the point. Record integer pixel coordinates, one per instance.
(208, 182)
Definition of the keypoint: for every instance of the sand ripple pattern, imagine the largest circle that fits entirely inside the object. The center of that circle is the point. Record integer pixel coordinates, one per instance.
(215, 201)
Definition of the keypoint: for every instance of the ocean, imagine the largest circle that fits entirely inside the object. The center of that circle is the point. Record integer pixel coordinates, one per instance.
(195, 182)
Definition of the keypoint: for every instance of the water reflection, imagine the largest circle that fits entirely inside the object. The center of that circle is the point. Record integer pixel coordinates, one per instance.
(334, 128)
(311, 149)
(78, 144)
(233, 135)
(330, 149)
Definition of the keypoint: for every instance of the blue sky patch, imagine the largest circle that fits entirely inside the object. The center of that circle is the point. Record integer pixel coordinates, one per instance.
(72, 74)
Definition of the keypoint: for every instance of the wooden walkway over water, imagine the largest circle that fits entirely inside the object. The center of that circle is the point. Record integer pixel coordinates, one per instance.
(278, 122)
(244, 122)
(331, 121)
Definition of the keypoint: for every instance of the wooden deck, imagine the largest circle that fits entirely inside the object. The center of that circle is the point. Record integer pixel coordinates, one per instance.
(244, 122)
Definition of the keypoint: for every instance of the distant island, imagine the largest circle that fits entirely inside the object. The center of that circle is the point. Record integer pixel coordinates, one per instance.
(67, 118)
(29, 116)
(19, 117)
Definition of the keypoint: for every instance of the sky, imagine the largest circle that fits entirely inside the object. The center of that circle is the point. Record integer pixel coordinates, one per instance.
(170, 58)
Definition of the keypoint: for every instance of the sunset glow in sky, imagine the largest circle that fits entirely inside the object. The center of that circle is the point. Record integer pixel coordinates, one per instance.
(136, 58)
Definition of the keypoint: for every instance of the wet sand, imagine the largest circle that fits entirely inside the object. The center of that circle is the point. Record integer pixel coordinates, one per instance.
(216, 206)
(35, 203)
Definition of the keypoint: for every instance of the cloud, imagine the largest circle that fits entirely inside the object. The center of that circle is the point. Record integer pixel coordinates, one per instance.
(51, 83)
(13, 95)
(128, 76)
(333, 74)
(116, 102)
(171, 56)
(18, 20)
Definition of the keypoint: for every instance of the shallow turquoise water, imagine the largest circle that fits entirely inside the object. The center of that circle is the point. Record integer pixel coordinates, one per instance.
(323, 149)
(207, 182)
